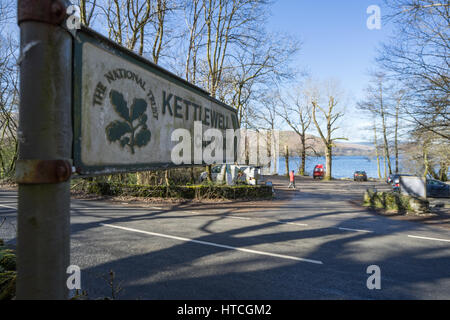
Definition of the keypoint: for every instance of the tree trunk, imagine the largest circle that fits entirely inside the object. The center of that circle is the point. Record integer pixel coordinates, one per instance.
(328, 160)
(425, 161)
(208, 173)
(378, 165)
(192, 175)
(269, 150)
(139, 179)
(246, 146)
(396, 139)
(385, 165)
(166, 177)
(443, 172)
(302, 168)
(257, 148)
(386, 144)
(286, 156)
(376, 149)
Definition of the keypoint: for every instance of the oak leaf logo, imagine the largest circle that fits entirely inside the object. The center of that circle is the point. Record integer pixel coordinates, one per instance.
(132, 130)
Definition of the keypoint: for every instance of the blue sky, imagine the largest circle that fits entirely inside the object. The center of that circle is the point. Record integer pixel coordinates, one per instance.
(336, 44)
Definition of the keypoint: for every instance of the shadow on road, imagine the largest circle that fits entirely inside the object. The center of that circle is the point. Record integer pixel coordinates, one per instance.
(188, 270)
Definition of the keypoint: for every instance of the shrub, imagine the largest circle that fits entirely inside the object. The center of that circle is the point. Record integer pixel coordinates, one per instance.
(394, 201)
(7, 274)
(7, 285)
(7, 260)
(204, 191)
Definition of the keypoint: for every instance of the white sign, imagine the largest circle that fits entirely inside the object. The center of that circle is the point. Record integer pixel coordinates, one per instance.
(126, 110)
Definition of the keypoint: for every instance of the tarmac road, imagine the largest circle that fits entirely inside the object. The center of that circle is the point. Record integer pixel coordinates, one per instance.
(308, 244)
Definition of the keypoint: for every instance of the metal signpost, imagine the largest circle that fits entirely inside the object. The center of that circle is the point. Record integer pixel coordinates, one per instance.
(116, 116)
(45, 149)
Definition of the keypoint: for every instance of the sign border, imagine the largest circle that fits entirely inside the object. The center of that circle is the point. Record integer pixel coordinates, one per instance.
(87, 35)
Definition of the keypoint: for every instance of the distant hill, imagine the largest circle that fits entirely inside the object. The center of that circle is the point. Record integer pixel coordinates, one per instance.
(363, 143)
(292, 140)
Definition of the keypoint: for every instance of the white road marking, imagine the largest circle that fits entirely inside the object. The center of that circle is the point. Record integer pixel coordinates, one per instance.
(293, 223)
(107, 208)
(356, 230)
(8, 207)
(214, 244)
(426, 238)
(185, 211)
(87, 208)
(240, 218)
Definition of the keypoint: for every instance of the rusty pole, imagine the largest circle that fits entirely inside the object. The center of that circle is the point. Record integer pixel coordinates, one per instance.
(45, 150)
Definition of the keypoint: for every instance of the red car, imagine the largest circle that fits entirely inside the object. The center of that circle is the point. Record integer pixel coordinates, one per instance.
(319, 171)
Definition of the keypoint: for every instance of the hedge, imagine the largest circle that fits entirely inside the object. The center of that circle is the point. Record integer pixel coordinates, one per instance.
(394, 201)
(209, 191)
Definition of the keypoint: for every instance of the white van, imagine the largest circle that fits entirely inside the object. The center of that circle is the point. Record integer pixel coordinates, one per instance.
(232, 173)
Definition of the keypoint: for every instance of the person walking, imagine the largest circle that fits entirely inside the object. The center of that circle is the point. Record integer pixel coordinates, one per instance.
(291, 180)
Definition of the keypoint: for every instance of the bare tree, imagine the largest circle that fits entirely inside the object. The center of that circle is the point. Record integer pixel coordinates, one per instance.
(375, 143)
(398, 101)
(234, 55)
(297, 113)
(131, 22)
(228, 23)
(159, 25)
(195, 27)
(263, 64)
(427, 154)
(87, 11)
(265, 117)
(417, 56)
(330, 115)
(9, 93)
(377, 102)
(127, 20)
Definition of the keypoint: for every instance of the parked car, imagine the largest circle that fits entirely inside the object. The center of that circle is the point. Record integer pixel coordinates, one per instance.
(237, 173)
(390, 179)
(394, 180)
(395, 184)
(246, 174)
(360, 176)
(215, 171)
(319, 172)
(437, 189)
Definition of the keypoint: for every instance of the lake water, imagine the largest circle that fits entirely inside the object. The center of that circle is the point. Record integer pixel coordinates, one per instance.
(343, 166)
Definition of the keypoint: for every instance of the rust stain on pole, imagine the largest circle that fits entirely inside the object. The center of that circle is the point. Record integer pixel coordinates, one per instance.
(48, 11)
(42, 171)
